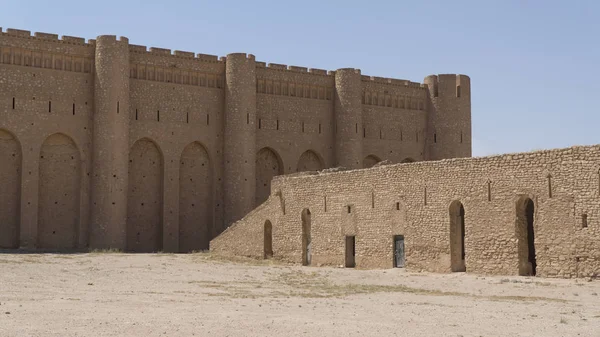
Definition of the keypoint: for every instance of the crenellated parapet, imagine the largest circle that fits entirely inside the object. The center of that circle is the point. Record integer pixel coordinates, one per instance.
(46, 51)
(177, 67)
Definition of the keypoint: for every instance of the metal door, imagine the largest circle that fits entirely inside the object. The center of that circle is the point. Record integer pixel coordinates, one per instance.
(399, 251)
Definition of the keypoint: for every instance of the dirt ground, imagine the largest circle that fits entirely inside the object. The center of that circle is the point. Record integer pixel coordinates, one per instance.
(114, 294)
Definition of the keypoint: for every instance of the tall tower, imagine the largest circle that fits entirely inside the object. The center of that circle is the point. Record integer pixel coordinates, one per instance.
(348, 118)
(110, 145)
(449, 116)
(240, 136)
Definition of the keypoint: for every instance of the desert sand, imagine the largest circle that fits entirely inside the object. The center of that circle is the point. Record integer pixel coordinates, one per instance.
(115, 294)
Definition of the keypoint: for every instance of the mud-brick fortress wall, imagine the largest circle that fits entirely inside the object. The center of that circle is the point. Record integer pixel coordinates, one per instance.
(416, 200)
(104, 143)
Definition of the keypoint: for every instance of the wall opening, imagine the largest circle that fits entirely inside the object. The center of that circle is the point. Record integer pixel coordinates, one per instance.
(260, 124)
(195, 198)
(399, 251)
(50, 106)
(118, 107)
(350, 251)
(277, 127)
(306, 237)
(247, 118)
(73, 109)
(458, 91)
(268, 240)
(457, 237)
(525, 237)
(136, 114)
(435, 137)
(158, 115)
(584, 221)
(319, 128)
(13, 105)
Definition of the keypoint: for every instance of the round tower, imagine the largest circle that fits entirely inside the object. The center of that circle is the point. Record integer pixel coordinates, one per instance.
(348, 118)
(448, 116)
(240, 136)
(110, 143)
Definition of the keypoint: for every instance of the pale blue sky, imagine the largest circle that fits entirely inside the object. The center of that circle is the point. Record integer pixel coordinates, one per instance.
(533, 64)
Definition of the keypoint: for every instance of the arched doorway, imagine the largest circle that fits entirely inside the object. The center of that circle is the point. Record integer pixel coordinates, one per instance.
(457, 237)
(268, 165)
(370, 161)
(309, 161)
(306, 237)
(59, 193)
(10, 190)
(195, 198)
(145, 198)
(268, 240)
(525, 237)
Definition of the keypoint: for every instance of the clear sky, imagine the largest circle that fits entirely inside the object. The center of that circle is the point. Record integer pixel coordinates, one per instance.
(533, 64)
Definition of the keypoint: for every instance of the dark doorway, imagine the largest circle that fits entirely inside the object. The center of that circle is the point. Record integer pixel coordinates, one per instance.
(268, 240)
(526, 237)
(399, 251)
(457, 237)
(306, 238)
(350, 251)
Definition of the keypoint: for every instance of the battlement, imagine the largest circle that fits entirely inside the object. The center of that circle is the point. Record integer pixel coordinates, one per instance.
(45, 36)
(295, 69)
(392, 81)
(176, 53)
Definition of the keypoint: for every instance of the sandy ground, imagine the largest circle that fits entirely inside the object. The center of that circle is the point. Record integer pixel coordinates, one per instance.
(112, 294)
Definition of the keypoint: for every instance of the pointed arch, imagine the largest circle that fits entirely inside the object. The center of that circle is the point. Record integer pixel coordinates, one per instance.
(524, 228)
(195, 198)
(306, 236)
(370, 161)
(10, 189)
(309, 161)
(59, 193)
(268, 165)
(145, 197)
(457, 236)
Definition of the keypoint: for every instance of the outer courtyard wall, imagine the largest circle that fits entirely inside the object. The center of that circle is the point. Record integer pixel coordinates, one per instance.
(414, 199)
(176, 98)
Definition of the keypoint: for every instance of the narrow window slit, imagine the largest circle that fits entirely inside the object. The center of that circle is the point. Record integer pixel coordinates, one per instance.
(50, 106)
(73, 109)
(397, 206)
(158, 115)
(187, 117)
(118, 107)
(489, 190)
(136, 114)
(247, 118)
(549, 186)
(584, 221)
(277, 126)
(13, 103)
(302, 126)
(319, 128)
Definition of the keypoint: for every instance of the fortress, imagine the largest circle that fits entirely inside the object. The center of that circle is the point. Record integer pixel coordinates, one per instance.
(105, 144)
(108, 144)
